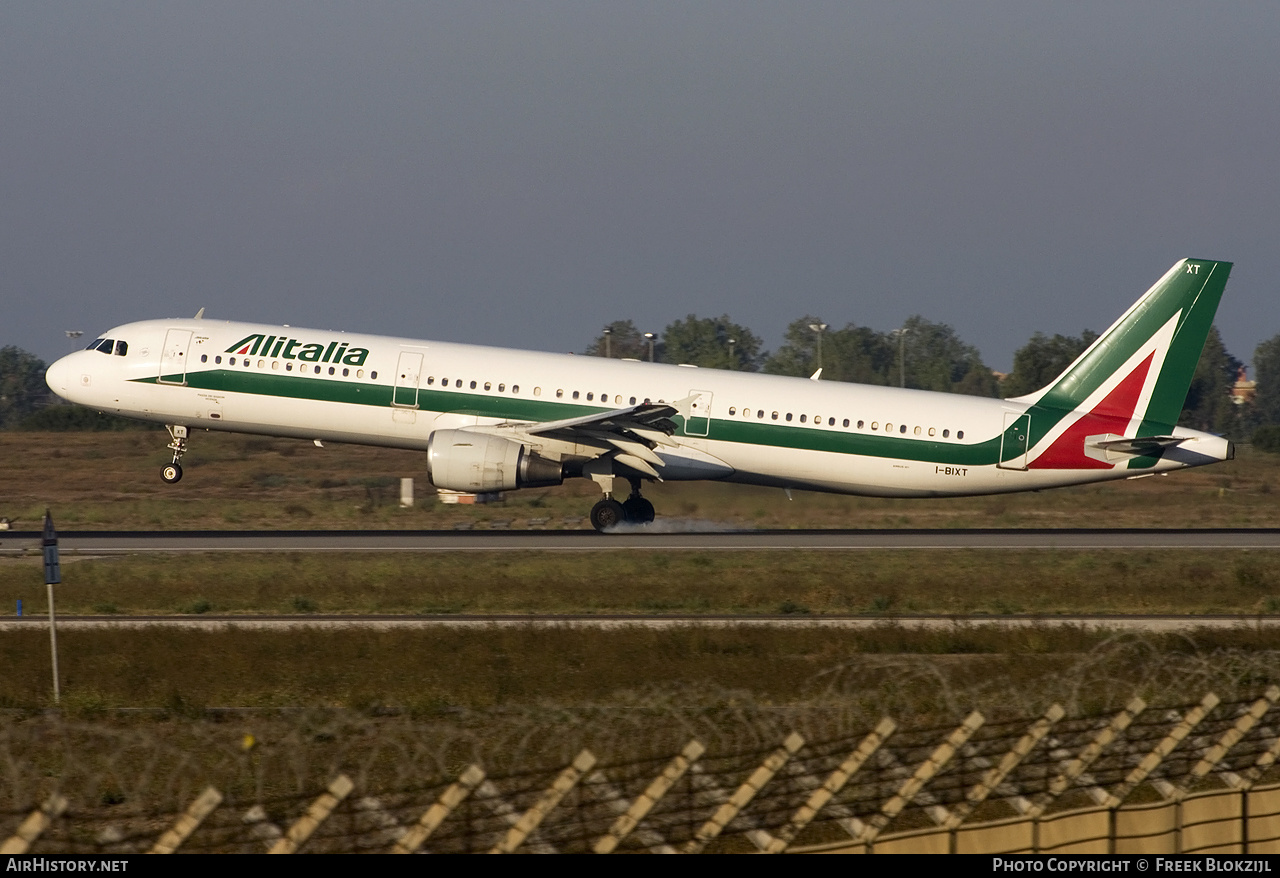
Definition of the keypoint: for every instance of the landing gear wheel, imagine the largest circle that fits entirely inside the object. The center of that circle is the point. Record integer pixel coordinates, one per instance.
(171, 473)
(638, 510)
(606, 514)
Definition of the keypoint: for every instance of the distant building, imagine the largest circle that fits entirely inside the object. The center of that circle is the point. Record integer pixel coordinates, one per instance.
(1243, 390)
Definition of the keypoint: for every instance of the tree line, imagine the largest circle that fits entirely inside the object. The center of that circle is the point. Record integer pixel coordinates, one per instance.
(920, 354)
(931, 356)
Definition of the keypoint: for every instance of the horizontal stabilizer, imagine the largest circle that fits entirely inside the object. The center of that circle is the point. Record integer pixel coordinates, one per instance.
(1110, 447)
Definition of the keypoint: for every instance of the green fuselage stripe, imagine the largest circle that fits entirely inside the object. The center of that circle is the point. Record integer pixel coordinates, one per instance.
(322, 389)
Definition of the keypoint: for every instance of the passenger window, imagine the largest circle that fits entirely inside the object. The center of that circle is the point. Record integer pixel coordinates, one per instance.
(559, 393)
(332, 370)
(732, 410)
(946, 434)
(590, 396)
(617, 400)
(803, 419)
(275, 365)
(875, 425)
(262, 364)
(431, 379)
(788, 416)
(760, 414)
(633, 401)
(204, 358)
(217, 359)
(888, 428)
(515, 388)
(932, 431)
(457, 382)
(917, 431)
(959, 434)
(359, 373)
(902, 429)
(473, 385)
(575, 394)
(444, 382)
(374, 375)
(831, 422)
(231, 361)
(537, 391)
(503, 387)
(288, 367)
(846, 421)
(487, 385)
(775, 416)
(346, 372)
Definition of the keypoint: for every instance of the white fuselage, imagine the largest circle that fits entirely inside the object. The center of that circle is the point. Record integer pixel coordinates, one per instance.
(744, 427)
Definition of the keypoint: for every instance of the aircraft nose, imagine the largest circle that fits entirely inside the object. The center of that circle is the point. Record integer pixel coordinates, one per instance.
(61, 375)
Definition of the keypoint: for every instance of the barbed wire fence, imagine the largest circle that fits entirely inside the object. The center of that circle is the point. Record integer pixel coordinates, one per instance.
(658, 774)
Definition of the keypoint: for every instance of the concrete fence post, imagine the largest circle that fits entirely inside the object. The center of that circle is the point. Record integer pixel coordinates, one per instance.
(724, 815)
(547, 802)
(431, 819)
(35, 824)
(318, 813)
(659, 787)
(203, 805)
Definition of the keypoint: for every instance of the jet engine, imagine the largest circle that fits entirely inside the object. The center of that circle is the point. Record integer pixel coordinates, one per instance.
(461, 460)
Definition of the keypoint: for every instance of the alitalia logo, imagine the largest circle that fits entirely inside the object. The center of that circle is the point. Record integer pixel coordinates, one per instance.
(293, 349)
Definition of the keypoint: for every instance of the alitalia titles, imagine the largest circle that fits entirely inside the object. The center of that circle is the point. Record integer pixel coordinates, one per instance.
(293, 349)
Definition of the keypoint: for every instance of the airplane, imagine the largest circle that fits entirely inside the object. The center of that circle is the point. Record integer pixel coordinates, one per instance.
(494, 419)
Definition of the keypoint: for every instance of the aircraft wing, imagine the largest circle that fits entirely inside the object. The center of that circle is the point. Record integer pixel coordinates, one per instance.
(628, 434)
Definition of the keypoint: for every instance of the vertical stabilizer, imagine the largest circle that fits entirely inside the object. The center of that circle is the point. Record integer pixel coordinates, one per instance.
(1145, 361)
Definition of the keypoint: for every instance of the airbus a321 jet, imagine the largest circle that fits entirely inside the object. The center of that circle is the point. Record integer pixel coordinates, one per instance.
(494, 419)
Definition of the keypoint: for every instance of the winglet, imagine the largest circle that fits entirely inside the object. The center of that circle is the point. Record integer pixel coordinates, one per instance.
(199, 315)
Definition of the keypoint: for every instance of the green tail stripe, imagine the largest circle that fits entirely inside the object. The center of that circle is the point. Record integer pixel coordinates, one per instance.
(1192, 290)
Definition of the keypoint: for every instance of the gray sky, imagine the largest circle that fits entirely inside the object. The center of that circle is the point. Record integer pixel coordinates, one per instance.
(522, 173)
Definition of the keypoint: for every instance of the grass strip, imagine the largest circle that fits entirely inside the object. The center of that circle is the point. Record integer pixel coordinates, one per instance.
(795, 582)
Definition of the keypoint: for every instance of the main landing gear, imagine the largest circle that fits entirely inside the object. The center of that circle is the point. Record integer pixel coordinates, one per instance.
(609, 513)
(173, 472)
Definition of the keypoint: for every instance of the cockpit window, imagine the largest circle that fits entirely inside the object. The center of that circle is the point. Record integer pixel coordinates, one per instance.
(122, 347)
(106, 345)
(93, 345)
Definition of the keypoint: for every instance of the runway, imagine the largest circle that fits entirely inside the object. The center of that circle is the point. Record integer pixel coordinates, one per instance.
(1146, 624)
(144, 542)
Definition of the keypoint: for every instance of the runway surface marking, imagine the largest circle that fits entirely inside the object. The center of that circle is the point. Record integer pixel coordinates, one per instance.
(121, 543)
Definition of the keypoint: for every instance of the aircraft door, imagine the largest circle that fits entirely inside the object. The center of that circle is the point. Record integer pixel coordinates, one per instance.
(408, 372)
(698, 421)
(173, 357)
(1014, 441)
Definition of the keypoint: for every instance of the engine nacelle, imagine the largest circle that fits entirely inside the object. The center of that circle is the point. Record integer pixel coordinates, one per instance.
(462, 460)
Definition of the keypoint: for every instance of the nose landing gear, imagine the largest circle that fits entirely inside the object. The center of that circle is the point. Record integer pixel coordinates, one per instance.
(173, 472)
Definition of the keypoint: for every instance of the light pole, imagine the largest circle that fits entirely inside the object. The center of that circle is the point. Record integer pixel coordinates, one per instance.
(650, 336)
(902, 355)
(73, 335)
(608, 343)
(819, 328)
(732, 342)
